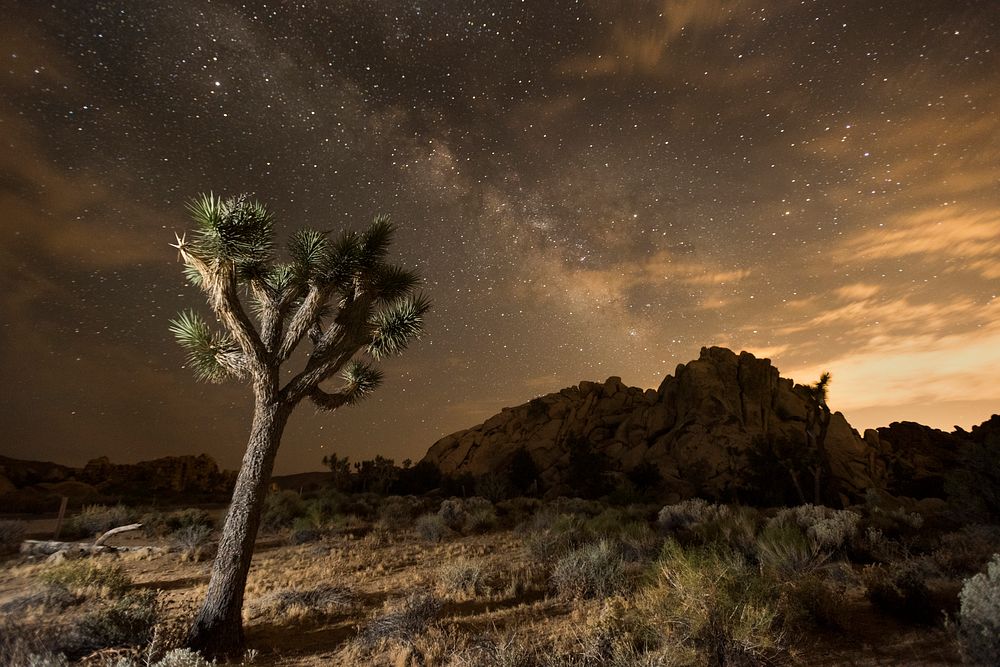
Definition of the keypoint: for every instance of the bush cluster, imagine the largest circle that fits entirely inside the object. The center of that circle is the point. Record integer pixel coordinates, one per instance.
(93, 520)
(979, 616)
(596, 570)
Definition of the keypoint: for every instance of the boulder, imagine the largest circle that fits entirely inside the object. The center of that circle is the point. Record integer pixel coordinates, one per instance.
(698, 428)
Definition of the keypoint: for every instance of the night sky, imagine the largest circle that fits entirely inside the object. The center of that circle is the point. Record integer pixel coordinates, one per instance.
(590, 188)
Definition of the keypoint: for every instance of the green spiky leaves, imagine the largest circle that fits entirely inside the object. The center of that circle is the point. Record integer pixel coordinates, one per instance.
(390, 282)
(233, 230)
(213, 357)
(310, 251)
(375, 240)
(396, 325)
(362, 379)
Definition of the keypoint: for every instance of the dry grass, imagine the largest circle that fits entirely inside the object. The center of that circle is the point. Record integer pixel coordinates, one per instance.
(483, 599)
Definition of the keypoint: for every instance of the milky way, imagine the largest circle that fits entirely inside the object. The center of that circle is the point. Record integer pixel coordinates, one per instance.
(589, 188)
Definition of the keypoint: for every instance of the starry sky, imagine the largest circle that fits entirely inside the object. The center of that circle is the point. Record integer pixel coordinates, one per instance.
(589, 187)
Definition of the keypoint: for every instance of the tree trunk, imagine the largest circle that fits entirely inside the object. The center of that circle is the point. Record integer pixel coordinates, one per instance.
(218, 629)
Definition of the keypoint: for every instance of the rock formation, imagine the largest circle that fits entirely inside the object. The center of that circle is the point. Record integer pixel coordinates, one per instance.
(705, 429)
(31, 486)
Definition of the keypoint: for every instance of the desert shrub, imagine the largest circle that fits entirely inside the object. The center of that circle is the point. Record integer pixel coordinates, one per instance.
(515, 580)
(162, 524)
(403, 619)
(894, 522)
(967, 551)
(828, 529)
(734, 527)
(126, 621)
(979, 617)
(493, 487)
(87, 578)
(182, 657)
(11, 535)
(592, 570)
(397, 512)
(379, 535)
(323, 600)
(687, 515)
(469, 515)
(303, 531)
(431, 527)
(32, 644)
(581, 506)
(785, 550)
(511, 651)
(902, 591)
(281, 509)
(553, 535)
(453, 513)
(480, 520)
(192, 541)
(96, 519)
(809, 602)
(711, 601)
(47, 597)
(638, 541)
(462, 577)
(517, 510)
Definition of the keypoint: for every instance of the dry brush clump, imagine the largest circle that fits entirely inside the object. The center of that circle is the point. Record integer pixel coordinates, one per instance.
(98, 610)
(11, 535)
(93, 520)
(87, 578)
(901, 590)
(469, 516)
(464, 577)
(979, 617)
(596, 569)
(431, 527)
(312, 603)
(193, 542)
(403, 620)
(711, 602)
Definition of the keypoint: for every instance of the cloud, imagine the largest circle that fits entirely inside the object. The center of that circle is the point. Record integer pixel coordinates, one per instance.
(956, 238)
(916, 369)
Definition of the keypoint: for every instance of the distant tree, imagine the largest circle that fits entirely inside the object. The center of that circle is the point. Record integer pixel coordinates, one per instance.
(421, 478)
(340, 295)
(587, 470)
(645, 476)
(493, 486)
(376, 475)
(523, 474)
(817, 427)
(340, 466)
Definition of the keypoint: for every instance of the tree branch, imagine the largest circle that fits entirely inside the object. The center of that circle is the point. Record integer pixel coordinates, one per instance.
(219, 285)
(304, 318)
(329, 401)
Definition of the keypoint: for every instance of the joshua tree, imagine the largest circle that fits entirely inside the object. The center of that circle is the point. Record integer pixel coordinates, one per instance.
(340, 295)
(817, 425)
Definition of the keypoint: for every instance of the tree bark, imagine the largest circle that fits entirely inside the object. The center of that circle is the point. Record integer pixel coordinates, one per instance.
(217, 631)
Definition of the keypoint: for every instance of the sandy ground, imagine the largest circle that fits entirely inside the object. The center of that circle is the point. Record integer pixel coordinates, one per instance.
(374, 572)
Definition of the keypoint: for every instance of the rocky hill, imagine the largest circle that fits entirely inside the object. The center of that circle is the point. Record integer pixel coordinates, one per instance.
(725, 425)
(29, 486)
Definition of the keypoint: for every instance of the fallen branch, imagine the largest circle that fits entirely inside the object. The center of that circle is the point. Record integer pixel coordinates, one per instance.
(114, 531)
(48, 547)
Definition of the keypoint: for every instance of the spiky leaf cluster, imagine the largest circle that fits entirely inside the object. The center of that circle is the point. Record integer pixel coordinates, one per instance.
(361, 379)
(212, 356)
(234, 229)
(338, 292)
(397, 324)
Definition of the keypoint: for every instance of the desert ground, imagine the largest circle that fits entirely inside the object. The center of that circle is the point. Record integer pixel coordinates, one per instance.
(416, 581)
